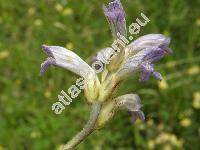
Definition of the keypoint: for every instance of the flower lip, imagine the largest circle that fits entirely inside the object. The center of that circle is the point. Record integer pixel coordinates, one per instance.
(157, 75)
(149, 41)
(152, 38)
(154, 55)
(166, 49)
(49, 61)
(143, 61)
(66, 59)
(47, 50)
(137, 115)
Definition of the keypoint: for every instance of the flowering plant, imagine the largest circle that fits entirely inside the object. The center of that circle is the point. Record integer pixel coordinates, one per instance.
(137, 57)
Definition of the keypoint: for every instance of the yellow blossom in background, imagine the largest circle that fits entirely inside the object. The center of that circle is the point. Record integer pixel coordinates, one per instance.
(193, 70)
(35, 134)
(163, 84)
(59, 25)
(67, 11)
(199, 131)
(31, 11)
(151, 144)
(166, 32)
(47, 93)
(1, 147)
(141, 126)
(38, 22)
(18, 81)
(196, 100)
(160, 126)
(58, 7)
(164, 138)
(171, 64)
(70, 46)
(185, 122)
(167, 147)
(150, 122)
(198, 22)
(60, 147)
(4, 54)
(188, 112)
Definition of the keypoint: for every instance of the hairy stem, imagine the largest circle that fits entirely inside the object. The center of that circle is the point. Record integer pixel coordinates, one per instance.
(88, 128)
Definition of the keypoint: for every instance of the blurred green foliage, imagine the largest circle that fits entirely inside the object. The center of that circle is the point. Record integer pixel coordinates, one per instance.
(172, 107)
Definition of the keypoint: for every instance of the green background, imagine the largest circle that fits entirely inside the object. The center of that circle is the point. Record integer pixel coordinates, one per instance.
(172, 107)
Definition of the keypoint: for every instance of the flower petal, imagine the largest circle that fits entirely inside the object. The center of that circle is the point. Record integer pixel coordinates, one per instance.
(137, 115)
(116, 18)
(154, 55)
(147, 70)
(49, 61)
(131, 102)
(67, 59)
(149, 40)
(142, 62)
(157, 75)
(133, 63)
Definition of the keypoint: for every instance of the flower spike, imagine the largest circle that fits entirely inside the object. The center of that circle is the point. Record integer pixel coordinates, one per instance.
(117, 63)
(116, 17)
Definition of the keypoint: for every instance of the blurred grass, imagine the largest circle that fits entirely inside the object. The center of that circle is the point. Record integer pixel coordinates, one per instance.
(171, 107)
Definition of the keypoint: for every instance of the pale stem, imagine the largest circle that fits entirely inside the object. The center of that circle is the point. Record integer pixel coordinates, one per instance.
(88, 128)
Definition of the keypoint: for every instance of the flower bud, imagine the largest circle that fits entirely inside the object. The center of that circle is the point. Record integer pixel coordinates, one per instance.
(131, 102)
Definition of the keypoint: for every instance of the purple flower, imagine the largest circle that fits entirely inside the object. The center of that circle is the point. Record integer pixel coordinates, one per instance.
(67, 59)
(149, 40)
(116, 18)
(141, 55)
(132, 103)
